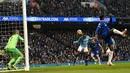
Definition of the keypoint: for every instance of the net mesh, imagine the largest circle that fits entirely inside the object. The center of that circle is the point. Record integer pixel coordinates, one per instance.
(6, 29)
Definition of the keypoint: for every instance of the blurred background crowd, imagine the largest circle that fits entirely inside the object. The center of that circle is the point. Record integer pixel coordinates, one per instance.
(71, 7)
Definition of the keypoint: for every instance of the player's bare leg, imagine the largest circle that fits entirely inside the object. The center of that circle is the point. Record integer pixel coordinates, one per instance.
(122, 33)
(99, 61)
(92, 56)
(110, 56)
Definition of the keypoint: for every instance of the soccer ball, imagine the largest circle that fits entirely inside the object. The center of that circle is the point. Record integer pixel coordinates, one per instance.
(79, 32)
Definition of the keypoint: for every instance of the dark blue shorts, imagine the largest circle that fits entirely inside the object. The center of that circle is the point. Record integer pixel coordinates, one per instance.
(95, 52)
(107, 38)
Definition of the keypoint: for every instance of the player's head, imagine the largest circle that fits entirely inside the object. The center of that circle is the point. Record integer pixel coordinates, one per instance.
(16, 31)
(101, 17)
(79, 32)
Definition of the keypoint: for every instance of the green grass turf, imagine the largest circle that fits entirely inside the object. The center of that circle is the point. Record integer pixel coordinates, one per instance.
(118, 68)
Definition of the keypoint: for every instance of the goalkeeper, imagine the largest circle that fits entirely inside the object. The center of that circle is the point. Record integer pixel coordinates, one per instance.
(12, 51)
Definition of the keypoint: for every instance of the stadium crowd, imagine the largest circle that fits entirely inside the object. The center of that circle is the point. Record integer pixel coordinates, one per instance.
(74, 8)
(67, 8)
(118, 7)
(57, 47)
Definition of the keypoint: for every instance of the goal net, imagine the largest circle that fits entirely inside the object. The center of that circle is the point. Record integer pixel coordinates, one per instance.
(9, 9)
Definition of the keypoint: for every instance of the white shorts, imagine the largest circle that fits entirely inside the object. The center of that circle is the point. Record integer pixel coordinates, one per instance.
(83, 48)
(108, 50)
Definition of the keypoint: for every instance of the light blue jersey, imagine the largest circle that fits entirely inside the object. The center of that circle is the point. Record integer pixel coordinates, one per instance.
(83, 41)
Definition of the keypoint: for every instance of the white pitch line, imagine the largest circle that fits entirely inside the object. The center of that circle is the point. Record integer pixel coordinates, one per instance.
(12, 70)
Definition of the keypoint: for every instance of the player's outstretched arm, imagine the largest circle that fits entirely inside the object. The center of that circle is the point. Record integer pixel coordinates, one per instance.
(77, 41)
(21, 39)
(122, 33)
(97, 31)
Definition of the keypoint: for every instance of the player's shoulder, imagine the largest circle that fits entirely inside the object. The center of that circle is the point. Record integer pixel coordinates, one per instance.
(16, 35)
(102, 22)
(87, 36)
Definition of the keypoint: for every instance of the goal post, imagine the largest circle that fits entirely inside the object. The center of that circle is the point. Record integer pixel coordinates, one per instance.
(25, 35)
(9, 12)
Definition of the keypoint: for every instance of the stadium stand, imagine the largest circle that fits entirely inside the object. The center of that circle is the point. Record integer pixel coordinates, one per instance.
(118, 7)
(66, 8)
(10, 9)
(69, 8)
(74, 8)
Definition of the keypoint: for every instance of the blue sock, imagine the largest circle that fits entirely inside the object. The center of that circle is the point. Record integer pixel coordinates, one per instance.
(86, 61)
(75, 57)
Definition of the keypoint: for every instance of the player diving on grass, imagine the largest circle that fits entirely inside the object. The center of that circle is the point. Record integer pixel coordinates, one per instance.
(95, 50)
(105, 33)
(83, 41)
(12, 51)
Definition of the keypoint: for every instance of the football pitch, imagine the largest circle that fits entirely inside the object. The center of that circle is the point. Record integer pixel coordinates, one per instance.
(118, 68)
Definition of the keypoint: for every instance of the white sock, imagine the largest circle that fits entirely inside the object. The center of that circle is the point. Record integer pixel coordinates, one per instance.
(94, 59)
(99, 61)
(110, 56)
(117, 32)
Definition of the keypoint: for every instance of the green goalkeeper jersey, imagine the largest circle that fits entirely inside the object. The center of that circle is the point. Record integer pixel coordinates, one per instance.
(13, 40)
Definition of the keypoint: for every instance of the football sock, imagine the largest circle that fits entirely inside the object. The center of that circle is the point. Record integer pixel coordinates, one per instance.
(86, 60)
(94, 59)
(110, 56)
(99, 59)
(76, 55)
